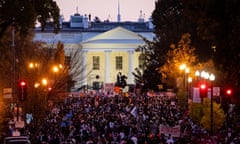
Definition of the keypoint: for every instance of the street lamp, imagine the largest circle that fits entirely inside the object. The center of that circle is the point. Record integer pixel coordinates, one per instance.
(188, 89)
(206, 76)
(55, 69)
(36, 85)
(202, 74)
(189, 79)
(33, 65)
(211, 78)
(197, 73)
(44, 81)
(183, 67)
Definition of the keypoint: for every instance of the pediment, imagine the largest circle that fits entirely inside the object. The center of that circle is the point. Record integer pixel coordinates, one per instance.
(118, 35)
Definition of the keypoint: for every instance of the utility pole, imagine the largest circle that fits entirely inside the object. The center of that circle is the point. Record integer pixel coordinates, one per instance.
(13, 77)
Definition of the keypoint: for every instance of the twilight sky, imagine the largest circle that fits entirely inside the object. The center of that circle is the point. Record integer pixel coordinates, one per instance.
(107, 9)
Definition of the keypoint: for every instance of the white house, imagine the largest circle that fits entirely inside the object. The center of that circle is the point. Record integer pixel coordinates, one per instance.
(108, 47)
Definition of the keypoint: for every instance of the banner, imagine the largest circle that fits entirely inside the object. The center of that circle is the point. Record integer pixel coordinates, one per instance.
(109, 87)
(216, 91)
(173, 131)
(196, 95)
(7, 93)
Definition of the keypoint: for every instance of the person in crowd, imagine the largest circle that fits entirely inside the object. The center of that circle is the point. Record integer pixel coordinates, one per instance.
(116, 120)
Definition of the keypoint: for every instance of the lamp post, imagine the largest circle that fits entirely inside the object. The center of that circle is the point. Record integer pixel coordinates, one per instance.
(188, 89)
(55, 71)
(197, 74)
(13, 66)
(185, 73)
(211, 78)
(182, 68)
(33, 66)
(45, 83)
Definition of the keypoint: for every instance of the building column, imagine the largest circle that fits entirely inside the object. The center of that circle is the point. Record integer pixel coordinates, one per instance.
(130, 67)
(84, 74)
(107, 68)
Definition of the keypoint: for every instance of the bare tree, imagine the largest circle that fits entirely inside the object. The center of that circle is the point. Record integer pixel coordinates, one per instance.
(69, 68)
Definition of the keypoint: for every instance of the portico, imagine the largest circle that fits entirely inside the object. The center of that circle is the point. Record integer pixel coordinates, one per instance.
(115, 52)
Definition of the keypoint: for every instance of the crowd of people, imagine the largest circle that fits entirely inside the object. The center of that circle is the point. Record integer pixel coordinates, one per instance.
(94, 119)
(124, 119)
(101, 119)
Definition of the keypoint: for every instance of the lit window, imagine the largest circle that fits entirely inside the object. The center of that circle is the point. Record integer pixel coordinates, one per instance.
(96, 62)
(141, 61)
(119, 61)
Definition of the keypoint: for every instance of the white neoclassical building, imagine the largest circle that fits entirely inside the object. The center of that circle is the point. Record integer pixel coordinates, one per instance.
(108, 47)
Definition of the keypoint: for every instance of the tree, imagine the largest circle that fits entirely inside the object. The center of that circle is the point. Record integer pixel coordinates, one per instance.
(23, 48)
(150, 78)
(195, 112)
(168, 21)
(42, 57)
(200, 113)
(25, 13)
(214, 28)
(138, 77)
(169, 26)
(62, 68)
(217, 24)
(3, 112)
(183, 52)
(218, 116)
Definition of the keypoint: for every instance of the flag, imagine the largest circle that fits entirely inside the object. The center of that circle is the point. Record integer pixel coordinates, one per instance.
(134, 111)
(96, 101)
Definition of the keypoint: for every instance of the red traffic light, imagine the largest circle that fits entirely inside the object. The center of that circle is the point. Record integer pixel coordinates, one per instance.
(203, 90)
(22, 90)
(229, 92)
(49, 88)
(23, 83)
(203, 86)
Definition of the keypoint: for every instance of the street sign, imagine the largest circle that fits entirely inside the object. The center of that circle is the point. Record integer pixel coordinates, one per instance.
(196, 95)
(7, 93)
(19, 124)
(216, 91)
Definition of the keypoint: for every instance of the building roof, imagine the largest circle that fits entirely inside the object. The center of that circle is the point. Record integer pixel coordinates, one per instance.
(118, 33)
(116, 39)
(82, 24)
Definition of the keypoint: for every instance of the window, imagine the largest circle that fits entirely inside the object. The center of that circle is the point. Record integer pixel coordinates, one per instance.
(96, 62)
(119, 61)
(141, 61)
(96, 85)
(67, 61)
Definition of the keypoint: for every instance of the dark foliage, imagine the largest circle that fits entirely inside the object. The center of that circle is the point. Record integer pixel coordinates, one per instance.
(24, 14)
(214, 27)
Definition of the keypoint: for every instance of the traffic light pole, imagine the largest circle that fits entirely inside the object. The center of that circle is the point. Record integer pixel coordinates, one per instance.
(211, 111)
(17, 112)
(13, 81)
(22, 96)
